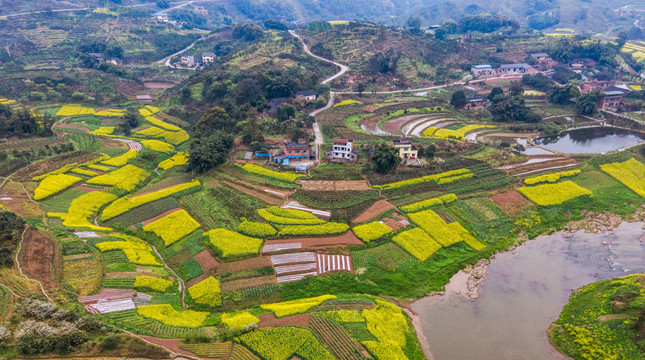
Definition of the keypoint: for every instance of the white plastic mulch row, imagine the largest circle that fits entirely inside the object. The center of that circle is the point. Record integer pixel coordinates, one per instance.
(295, 268)
(293, 258)
(112, 306)
(297, 206)
(296, 277)
(132, 144)
(107, 295)
(274, 192)
(86, 234)
(327, 263)
(280, 247)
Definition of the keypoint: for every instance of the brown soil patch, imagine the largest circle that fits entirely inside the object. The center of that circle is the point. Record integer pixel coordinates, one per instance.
(247, 283)
(393, 126)
(125, 274)
(37, 257)
(206, 260)
(511, 202)
(395, 225)
(371, 124)
(19, 202)
(160, 216)
(173, 345)
(158, 85)
(165, 184)
(330, 185)
(111, 143)
(247, 264)
(321, 243)
(75, 127)
(298, 320)
(370, 109)
(269, 191)
(377, 209)
(608, 317)
(260, 195)
(51, 164)
(78, 256)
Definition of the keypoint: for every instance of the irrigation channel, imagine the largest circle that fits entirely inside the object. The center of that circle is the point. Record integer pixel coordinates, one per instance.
(524, 292)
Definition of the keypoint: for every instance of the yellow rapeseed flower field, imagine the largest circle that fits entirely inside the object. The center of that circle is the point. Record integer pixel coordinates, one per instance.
(173, 227)
(553, 194)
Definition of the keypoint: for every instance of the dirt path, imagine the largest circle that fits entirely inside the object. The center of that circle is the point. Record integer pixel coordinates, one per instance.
(42, 288)
(260, 195)
(331, 185)
(182, 285)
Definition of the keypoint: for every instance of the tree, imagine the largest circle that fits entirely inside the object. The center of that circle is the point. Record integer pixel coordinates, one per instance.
(132, 118)
(248, 32)
(383, 63)
(587, 103)
(211, 151)
(360, 87)
(562, 95)
(413, 25)
(385, 158)
(430, 151)
(250, 128)
(516, 89)
(213, 119)
(458, 99)
(495, 92)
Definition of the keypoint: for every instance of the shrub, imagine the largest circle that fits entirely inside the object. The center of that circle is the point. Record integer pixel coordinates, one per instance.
(122, 159)
(287, 308)
(330, 228)
(240, 321)
(126, 178)
(420, 180)
(371, 231)
(53, 184)
(152, 283)
(256, 229)
(126, 204)
(551, 178)
(173, 227)
(158, 146)
(257, 169)
(552, 194)
(418, 243)
(288, 220)
(631, 173)
(230, 243)
(206, 292)
(422, 205)
(166, 314)
(176, 160)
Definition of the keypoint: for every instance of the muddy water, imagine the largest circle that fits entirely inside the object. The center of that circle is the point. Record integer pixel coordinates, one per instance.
(523, 293)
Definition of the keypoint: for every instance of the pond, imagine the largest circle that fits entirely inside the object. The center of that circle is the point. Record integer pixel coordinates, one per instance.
(597, 140)
(523, 293)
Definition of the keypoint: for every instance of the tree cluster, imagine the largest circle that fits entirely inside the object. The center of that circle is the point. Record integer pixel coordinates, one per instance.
(211, 143)
(23, 123)
(512, 107)
(383, 63)
(11, 227)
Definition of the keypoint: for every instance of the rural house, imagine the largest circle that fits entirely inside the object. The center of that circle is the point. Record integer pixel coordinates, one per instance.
(478, 70)
(293, 150)
(474, 103)
(342, 150)
(200, 10)
(208, 57)
(308, 95)
(188, 60)
(515, 69)
(406, 149)
(161, 16)
(610, 100)
(541, 58)
(590, 86)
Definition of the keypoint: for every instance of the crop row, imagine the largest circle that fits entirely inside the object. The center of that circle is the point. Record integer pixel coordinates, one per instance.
(336, 338)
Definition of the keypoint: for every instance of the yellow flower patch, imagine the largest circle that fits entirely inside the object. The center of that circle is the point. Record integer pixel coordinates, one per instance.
(126, 178)
(290, 213)
(74, 110)
(266, 215)
(553, 194)
(230, 243)
(423, 179)
(206, 292)
(103, 130)
(152, 131)
(281, 343)
(444, 234)
(371, 231)
(631, 173)
(422, 205)
(176, 160)
(347, 102)
(239, 321)
(83, 172)
(174, 137)
(159, 146)
(256, 229)
(551, 178)
(121, 159)
(98, 167)
(166, 314)
(257, 169)
(153, 110)
(126, 204)
(293, 307)
(54, 184)
(153, 283)
(173, 227)
(134, 249)
(418, 243)
(162, 124)
(145, 112)
(330, 228)
(111, 112)
(459, 134)
(82, 208)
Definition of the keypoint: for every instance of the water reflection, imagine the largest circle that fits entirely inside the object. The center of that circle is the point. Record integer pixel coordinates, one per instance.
(591, 141)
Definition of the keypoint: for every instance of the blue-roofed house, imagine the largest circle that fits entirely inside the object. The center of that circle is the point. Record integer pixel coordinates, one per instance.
(484, 69)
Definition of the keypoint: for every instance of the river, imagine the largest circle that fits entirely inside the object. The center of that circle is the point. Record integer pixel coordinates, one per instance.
(523, 293)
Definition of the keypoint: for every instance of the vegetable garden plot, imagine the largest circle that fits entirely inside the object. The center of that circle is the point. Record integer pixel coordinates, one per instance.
(329, 263)
(296, 277)
(293, 258)
(110, 306)
(337, 339)
(280, 247)
(294, 268)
